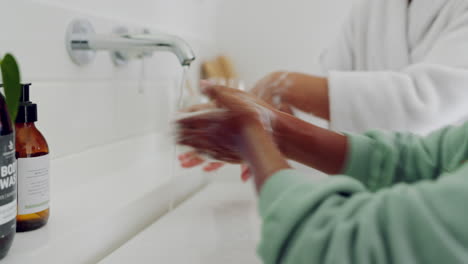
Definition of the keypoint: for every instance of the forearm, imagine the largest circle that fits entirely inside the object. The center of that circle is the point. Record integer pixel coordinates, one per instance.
(313, 146)
(262, 155)
(308, 93)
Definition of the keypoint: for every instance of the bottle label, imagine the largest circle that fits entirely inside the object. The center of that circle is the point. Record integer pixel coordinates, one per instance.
(33, 184)
(7, 184)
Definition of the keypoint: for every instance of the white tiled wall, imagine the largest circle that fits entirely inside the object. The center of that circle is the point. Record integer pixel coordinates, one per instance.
(84, 107)
(192, 17)
(270, 35)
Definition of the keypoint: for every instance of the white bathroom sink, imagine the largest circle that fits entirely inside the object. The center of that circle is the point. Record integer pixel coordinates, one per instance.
(122, 189)
(220, 224)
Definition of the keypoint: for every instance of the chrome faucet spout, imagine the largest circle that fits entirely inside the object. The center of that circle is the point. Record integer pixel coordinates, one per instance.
(142, 45)
(81, 38)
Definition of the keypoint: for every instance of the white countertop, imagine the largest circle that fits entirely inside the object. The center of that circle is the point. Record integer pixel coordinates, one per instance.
(219, 224)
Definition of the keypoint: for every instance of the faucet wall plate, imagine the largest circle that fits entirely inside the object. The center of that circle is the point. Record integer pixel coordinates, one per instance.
(79, 29)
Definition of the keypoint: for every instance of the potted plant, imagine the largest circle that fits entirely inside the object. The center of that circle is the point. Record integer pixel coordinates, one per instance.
(11, 83)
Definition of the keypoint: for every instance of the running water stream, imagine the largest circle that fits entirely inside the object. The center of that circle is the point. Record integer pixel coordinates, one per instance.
(184, 86)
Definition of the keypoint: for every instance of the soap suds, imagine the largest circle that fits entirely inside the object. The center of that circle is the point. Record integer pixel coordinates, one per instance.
(272, 88)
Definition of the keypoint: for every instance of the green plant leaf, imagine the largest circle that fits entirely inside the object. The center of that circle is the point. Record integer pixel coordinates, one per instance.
(11, 84)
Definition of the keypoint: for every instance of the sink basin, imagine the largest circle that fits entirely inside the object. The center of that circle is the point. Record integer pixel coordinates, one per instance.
(219, 224)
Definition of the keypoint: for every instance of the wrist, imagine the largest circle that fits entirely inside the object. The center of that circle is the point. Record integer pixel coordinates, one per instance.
(284, 128)
(311, 145)
(309, 94)
(261, 153)
(252, 133)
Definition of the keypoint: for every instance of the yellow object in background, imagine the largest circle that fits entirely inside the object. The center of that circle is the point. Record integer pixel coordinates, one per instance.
(221, 71)
(227, 67)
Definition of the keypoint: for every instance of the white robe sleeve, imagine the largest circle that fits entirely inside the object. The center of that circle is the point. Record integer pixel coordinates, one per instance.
(419, 98)
(339, 54)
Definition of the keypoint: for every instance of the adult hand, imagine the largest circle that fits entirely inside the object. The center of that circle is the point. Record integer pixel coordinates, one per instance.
(272, 88)
(284, 90)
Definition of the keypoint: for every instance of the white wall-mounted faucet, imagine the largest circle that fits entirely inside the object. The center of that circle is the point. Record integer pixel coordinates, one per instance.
(82, 43)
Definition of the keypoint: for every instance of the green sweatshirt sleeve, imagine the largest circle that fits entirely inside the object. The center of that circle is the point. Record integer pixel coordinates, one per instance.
(379, 159)
(338, 220)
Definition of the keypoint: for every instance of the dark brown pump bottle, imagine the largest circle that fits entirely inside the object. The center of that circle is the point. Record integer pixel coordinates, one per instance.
(32, 153)
(7, 180)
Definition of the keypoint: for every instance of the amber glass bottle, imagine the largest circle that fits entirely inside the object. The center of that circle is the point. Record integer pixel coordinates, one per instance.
(32, 153)
(7, 181)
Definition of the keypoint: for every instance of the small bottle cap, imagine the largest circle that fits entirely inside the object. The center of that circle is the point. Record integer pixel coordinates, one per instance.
(27, 111)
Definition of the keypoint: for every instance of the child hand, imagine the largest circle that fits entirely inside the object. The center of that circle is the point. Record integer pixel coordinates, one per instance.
(221, 133)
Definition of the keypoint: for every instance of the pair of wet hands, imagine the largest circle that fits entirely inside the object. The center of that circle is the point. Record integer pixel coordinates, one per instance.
(266, 90)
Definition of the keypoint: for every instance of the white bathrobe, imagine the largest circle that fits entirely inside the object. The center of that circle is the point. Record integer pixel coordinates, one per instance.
(400, 67)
